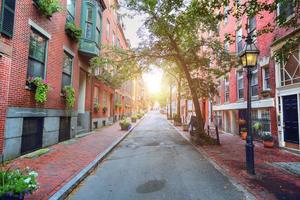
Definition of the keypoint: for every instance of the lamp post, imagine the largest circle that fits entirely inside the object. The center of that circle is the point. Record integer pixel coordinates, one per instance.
(249, 57)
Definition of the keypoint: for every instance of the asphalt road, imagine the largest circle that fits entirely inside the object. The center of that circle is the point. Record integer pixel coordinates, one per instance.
(155, 162)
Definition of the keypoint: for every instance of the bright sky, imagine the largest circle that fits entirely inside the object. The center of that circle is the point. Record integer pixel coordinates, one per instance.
(154, 77)
(153, 80)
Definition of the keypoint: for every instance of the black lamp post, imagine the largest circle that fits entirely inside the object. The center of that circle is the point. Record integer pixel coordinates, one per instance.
(249, 57)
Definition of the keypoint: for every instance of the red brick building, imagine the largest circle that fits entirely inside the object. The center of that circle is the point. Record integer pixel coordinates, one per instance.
(275, 97)
(33, 44)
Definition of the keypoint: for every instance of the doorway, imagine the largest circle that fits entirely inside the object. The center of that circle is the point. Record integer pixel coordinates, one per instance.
(290, 119)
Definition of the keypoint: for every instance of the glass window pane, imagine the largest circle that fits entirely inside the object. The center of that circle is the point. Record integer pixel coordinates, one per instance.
(35, 69)
(37, 46)
(89, 15)
(68, 61)
(88, 31)
(71, 7)
(66, 80)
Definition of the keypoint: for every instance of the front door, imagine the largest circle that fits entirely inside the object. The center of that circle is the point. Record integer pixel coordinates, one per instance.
(290, 119)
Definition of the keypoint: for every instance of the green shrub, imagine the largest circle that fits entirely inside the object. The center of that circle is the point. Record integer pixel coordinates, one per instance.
(177, 118)
(41, 89)
(96, 107)
(243, 129)
(257, 126)
(69, 93)
(104, 109)
(73, 31)
(17, 183)
(125, 125)
(49, 7)
(267, 137)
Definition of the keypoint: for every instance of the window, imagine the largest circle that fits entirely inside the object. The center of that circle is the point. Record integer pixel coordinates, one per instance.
(218, 99)
(254, 83)
(89, 23)
(240, 84)
(285, 9)
(104, 100)
(252, 27)
(266, 78)
(107, 28)
(8, 17)
(265, 120)
(226, 89)
(70, 10)
(98, 28)
(37, 55)
(239, 40)
(96, 95)
(113, 39)
(290, 69)
(67, 70)
(226, 46)
(226, 8)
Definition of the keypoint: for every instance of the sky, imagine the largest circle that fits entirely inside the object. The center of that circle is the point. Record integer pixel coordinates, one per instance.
(152, 78)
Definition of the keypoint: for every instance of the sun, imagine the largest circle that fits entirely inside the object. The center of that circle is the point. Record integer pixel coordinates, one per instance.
(153, 80)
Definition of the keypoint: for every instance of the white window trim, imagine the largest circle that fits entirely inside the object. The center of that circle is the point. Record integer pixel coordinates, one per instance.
(253, 72)
(39, 29)
(288, 18)
(226, 83)
(239, 78)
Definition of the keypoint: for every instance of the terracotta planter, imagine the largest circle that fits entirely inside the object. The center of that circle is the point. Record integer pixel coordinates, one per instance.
(185, 127)
(244, 135)
(268, 144)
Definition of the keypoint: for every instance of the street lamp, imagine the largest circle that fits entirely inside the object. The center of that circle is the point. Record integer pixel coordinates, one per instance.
(249, 57)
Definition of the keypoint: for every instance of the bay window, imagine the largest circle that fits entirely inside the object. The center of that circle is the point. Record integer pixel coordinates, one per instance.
(70, 10)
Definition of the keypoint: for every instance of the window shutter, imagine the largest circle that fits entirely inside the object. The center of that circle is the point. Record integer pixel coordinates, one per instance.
(8, 17)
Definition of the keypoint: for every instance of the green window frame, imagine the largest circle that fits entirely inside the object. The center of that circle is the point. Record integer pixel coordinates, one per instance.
(8, 17)
(67, 70)
(37, 55)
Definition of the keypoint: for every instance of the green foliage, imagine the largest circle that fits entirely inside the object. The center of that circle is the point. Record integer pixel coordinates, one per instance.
(42, 89)
(267, 137)
(73, 31)
(49, 7)
(243, 129)
(257, 126)
(69, 93)
(118, 105)
(124, 124)
(96, 107)
(104, 109)
(177, 118)
(17, 182)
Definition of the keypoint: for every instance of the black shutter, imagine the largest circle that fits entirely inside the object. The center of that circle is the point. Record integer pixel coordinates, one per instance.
(8, 17)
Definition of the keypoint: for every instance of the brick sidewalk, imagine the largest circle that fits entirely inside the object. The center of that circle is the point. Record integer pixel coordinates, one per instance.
(66, 159)
(269, 182)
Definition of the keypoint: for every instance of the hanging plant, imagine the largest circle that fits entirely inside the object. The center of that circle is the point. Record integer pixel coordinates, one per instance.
(104, 109)
(69, 94)
(48, 7)
(73, 31)
(96, 107)
(40, 87)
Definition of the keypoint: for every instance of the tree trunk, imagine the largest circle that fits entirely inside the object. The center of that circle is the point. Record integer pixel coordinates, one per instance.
(178, 96)
(170, 101)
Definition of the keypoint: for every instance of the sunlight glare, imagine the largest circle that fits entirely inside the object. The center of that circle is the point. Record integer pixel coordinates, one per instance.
(153, 80)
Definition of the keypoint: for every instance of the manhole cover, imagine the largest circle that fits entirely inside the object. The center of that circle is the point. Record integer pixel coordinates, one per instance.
(151, 186)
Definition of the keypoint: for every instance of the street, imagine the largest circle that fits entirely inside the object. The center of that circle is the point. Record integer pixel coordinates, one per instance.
(156, 162)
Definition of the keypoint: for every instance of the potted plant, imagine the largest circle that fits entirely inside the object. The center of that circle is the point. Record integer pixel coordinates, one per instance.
(15, 184)
(244, 133)
(134, 118)
(125, 125)
(177, 120)
(104, 109)
(185, 127)
(69, 95)
(257, 126)
(96, 107)
(73, 31)
(265, 93)
(40, 87)
(48, 7)
(242, 122)
(268, 140)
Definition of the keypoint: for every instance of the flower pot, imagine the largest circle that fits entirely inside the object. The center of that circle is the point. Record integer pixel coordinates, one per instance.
(185, 127)
(133, 120)
(11, 197)
(244, 135)
(268, 144)
(177, 123)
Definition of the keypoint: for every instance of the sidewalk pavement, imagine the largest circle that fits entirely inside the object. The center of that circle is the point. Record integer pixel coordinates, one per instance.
(270, 181)
(65, 160)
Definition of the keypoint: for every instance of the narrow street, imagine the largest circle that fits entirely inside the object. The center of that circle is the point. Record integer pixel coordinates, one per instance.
(155, 162)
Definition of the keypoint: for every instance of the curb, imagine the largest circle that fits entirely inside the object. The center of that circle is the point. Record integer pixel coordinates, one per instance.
(239, 186)
(63, 192)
